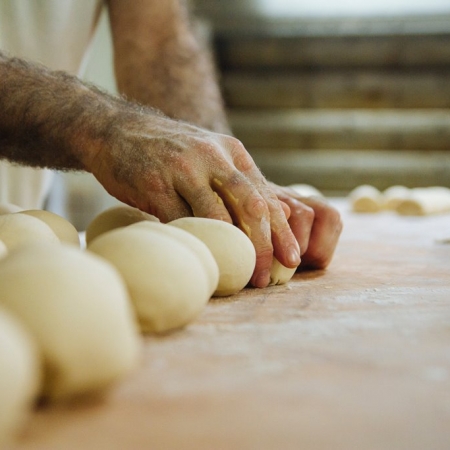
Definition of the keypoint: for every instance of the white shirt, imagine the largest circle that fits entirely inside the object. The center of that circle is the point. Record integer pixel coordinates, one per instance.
(57, 34)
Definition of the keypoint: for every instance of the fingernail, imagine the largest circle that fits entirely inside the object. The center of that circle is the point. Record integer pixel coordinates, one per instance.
(263, 279)
(293, 256)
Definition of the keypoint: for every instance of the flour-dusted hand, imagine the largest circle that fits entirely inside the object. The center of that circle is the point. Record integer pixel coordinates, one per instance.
(172, 169)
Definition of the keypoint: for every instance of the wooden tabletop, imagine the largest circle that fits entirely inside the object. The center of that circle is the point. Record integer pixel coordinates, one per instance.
(355, 357)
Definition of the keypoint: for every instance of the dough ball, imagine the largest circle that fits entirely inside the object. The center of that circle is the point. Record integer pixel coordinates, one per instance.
(232, 249)
(195, 244)
(9, 208)
(115, 217)
(306, 190)
(366, 199)
(20, 375)
(167, 281)
(76, 306)
(280, 274)
(65, 231)
(3, 250)
(425, 201)
(393, 196)
(22, 229)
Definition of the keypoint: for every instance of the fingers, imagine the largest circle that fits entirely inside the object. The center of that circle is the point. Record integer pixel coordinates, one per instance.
(286, 209)
(177, 170)
(231, 188)
(255, 208)
(250, 213)
(316, 225)
(324, 234)
(301, 222)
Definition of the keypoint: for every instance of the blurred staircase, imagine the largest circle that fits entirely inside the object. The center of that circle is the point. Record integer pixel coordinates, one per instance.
(340, 102)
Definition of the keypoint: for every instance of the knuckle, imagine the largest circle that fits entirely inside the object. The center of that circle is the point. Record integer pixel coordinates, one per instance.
(241, 158)
(206, 148)
(309, 214)
(256, 206)
(264, 253)
(235, 144)
(244, 162)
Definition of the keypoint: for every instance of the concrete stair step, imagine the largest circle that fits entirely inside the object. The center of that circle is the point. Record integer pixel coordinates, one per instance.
(343, 129)
(233, 19)
(246, 42)
(337, 89)
(337, 173)
(345, 51)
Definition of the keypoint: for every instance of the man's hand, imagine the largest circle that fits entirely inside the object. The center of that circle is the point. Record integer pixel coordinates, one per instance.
(160, 63)
(315, 224)
(173, 169)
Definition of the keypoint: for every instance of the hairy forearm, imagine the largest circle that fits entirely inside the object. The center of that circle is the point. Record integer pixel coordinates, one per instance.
(51, 119)
(160, 62)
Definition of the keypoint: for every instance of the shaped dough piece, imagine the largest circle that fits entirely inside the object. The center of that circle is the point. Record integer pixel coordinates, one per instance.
(306, 190)
(21, 229)
(20, 376)
(366, 199)
(425, 201)
(195, 244)
(232, 249)
(65, 231)
(115, 217)
(168, 285)
(280, 274)
(76, 306)
(393, 196)
(9, 208)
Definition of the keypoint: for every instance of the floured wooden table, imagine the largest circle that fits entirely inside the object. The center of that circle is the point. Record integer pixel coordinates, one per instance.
(355, 357)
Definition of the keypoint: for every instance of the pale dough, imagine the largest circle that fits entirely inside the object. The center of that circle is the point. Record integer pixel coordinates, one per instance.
(405, 201)
(280, 274)
(425, 201)
(20, 376)
(232, 249)
(366, 199)
(65, 231)
(393, 196)
(115, 217)
(195, 244)
(77, 308)
(167, 281)
(22, 229)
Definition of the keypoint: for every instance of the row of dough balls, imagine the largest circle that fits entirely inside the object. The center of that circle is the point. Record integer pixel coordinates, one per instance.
(67, 327)
(405, 201)
(70, 319)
